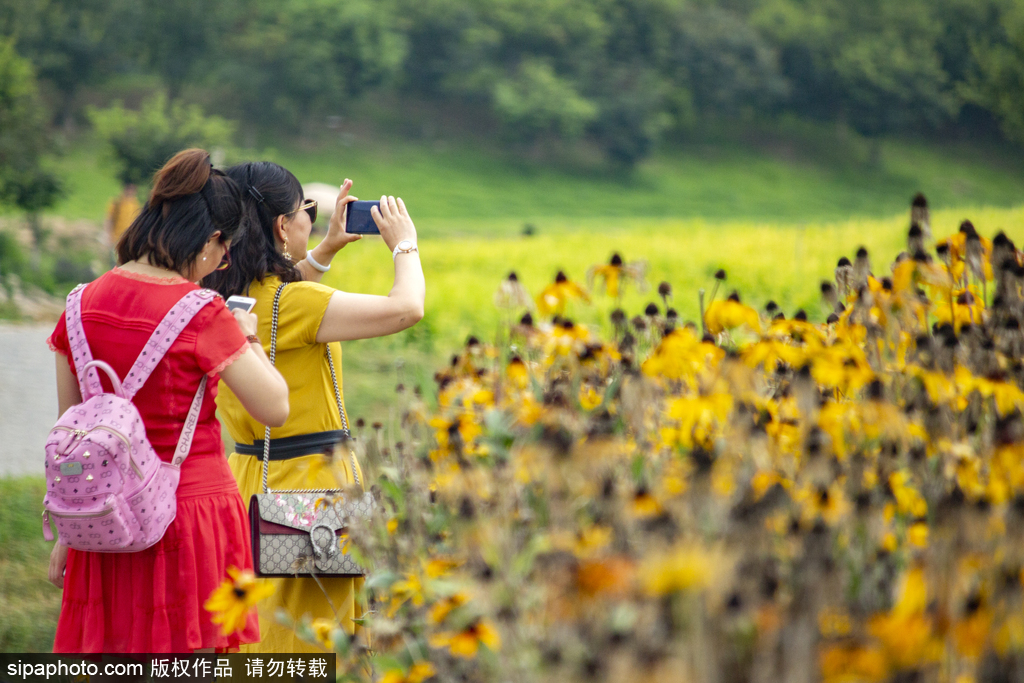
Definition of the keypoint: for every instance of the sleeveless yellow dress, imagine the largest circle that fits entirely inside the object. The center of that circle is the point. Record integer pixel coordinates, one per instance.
(303, 363)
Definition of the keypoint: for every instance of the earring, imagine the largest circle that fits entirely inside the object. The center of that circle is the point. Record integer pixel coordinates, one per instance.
(204, 258)
(287, 255)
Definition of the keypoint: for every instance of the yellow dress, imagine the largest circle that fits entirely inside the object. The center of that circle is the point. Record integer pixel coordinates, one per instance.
(303, 363)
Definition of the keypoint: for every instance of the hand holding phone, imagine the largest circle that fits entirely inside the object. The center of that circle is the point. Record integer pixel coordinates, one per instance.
(241, 307)
(244, 303)
(338, 236)
(393, 220)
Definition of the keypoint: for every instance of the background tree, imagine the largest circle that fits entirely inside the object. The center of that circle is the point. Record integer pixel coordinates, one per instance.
(140, 142)
(287, 62)
(873, 64)
(68, 41)
(621, 74)
(23, 181)
(995, 77)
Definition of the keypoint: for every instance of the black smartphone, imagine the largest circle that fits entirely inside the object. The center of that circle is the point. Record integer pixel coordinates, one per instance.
(360, 222)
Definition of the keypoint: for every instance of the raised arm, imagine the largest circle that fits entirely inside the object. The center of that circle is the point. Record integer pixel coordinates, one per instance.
(335, 239)
(362, 316)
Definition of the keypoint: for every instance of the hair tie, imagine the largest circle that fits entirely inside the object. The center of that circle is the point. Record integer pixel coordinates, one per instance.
(256, 194)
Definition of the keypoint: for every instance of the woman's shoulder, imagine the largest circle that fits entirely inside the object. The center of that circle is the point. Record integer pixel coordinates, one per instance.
(301, 308)
(123, 291)
(293, 291)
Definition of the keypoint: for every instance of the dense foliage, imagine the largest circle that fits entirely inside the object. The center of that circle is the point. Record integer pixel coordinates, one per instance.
(622, 73)
(754, 497)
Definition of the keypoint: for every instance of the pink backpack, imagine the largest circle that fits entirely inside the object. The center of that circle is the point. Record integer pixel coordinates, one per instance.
(106, 488)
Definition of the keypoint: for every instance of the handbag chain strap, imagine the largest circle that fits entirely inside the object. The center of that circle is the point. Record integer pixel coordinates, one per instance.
(337, 395)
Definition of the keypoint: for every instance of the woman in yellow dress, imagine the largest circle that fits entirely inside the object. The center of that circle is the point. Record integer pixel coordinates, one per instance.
(312, 316)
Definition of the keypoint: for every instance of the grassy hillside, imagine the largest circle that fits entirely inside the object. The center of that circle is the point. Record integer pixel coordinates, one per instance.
(773, 208)
(464, 188)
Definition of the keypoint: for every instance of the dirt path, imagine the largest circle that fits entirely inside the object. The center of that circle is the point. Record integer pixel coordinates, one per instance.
(28, 397)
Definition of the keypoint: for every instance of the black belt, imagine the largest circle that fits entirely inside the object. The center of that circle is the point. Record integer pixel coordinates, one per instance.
(294, 446)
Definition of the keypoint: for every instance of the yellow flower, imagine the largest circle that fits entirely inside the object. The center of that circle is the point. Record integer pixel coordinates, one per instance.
(728, 314)
(681, 355)
(852, 664)
(908, 500)
(770, 352)
(907, 632)
(699, 415)
(556, 295)
(589, 399)
(440, 611)
(418, 673)
(322, 630)
(517, 373)
(685, 568)
(958, 253)
(466, 643)
(231, 602)
(610, 577)
(465, 425)
(609, 273)
(917, 534)
(615, 272)
(966, 307)
(971, 633)
(1008, 397)
(843, 366)
(404, 590)
(828, 503)
(439, 566)
(645, 505)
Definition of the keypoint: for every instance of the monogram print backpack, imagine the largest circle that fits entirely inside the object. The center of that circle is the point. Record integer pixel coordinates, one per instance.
(106, 488)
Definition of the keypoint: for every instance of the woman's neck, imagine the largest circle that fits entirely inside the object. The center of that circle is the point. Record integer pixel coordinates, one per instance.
(144, 267)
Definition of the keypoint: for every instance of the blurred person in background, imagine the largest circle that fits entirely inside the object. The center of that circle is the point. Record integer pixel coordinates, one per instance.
(121, 213)
(313, 319)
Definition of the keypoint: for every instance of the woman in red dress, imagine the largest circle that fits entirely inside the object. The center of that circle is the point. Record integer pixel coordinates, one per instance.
(152, 600)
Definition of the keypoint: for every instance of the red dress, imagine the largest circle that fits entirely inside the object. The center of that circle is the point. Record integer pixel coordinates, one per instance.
(152, 600)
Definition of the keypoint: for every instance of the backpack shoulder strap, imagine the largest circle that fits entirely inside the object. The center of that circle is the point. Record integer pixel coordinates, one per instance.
(88, 378)
(156, 348)
(163, 336)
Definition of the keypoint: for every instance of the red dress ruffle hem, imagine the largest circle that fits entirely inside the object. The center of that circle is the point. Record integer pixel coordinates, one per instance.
(152, 600)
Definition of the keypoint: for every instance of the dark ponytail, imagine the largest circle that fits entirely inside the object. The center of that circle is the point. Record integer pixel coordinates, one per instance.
(190, 201)
(186, 173)
(268, 191)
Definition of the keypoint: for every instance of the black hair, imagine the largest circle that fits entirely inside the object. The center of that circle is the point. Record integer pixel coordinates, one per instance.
(268, 191)
(190, 201)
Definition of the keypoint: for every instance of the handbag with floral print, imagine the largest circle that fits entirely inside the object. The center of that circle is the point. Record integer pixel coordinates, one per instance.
(303, 532)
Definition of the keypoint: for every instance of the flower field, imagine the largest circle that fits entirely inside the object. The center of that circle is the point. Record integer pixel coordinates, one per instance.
(714, 487)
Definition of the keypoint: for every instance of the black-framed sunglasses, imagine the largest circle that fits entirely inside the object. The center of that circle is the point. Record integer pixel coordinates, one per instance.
(309, 206)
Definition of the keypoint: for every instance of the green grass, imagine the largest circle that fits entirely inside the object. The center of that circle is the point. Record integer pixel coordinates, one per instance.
(29, 603)
(462, 187)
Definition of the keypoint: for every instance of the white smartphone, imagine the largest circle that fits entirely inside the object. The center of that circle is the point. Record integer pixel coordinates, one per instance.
(244, 302)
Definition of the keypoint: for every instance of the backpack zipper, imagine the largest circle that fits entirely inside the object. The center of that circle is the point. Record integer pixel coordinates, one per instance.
(79, 515)
(79, 433)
